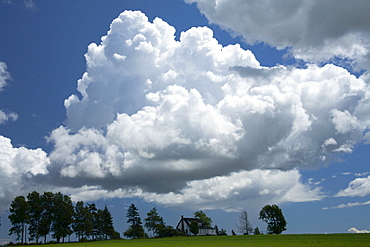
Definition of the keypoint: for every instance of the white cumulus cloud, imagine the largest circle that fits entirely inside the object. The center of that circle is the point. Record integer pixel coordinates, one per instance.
(313, 30)
(354, 230)
(192, 122)
(229, 193)
(18, 166)
(162, 118)
(357, 187)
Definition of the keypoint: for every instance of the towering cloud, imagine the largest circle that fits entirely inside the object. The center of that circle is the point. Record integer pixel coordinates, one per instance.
(197, 123)
(314, 30)
(164, 116)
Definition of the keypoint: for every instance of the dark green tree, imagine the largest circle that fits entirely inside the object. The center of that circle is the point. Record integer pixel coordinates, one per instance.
(94, 220)
(273, 216)
(154, 222)
(115, 235)
(34, 215)
(194, 227)
(207, 221)
(167, 231)
(18, 217)
(244, 227)
(46, 215)
(62, 216)
(257, 231)
(106, 220)
(222, 232)
(135, 229)
(82, 223)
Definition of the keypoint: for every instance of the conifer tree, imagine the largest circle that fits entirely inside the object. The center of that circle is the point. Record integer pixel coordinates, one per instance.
(135, 229)
(154, 222)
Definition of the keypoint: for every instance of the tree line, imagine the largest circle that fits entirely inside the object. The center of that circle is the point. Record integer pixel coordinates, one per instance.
(53, 214)
(271, 214)
(41, 215)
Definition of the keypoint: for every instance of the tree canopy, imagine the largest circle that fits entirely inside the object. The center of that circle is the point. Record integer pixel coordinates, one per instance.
(207, 221)
(273, 216)
(154, 222)
(54, 214)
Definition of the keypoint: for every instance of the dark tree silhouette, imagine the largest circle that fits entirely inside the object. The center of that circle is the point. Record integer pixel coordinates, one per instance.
(136, 229)
(207, 221)
(194, 227)
(154, 222)
(18, 217)
(244, 227)
(34, 215)
(273, 216)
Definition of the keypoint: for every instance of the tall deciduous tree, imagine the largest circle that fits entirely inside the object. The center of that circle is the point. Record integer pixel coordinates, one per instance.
(94, 219)
(34, 215)
(62, 216)
(136, 229)
(244, 227)
(18, 217)
(273, 216)
(46, 215)
(154, 222)
(207, 221)
(82, 224)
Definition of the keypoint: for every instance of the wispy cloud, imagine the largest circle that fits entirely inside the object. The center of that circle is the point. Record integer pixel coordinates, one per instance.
(348, 205)
(4, 75)
(5, 116)
(30, 4)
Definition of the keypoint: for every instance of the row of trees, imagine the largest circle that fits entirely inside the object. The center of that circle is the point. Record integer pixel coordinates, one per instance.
(271, 214)
(54, 214)
(154, 223)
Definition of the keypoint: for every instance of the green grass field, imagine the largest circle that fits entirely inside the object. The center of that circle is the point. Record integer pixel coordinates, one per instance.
(306, 240)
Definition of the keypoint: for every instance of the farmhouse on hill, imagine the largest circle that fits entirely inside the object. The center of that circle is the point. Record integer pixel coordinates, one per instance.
(184, 226)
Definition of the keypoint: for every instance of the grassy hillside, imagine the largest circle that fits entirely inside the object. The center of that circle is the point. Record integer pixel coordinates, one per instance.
(306, 240)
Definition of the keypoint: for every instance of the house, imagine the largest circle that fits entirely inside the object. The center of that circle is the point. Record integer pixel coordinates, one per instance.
(184, 226)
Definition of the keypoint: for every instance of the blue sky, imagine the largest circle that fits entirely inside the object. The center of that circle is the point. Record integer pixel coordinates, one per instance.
(219, 106)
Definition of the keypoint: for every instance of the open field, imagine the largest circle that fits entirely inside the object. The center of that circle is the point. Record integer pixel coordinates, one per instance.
(306, 240)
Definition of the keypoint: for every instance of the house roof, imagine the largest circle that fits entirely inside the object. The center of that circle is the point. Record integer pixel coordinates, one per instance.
(188, 221)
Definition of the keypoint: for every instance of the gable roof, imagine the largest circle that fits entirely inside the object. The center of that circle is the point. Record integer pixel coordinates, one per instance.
(188, 221)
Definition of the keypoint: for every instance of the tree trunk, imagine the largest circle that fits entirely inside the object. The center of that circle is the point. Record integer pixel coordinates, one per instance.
(22, 238)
